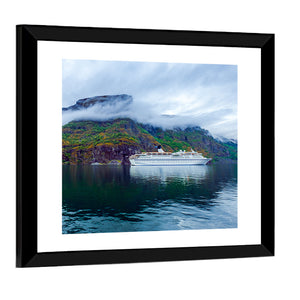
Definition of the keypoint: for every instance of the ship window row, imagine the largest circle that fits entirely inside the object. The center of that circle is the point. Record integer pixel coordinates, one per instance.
(171, 161)
(149, 157)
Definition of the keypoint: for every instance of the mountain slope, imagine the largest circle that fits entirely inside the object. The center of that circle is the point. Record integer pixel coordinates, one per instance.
(114, 141)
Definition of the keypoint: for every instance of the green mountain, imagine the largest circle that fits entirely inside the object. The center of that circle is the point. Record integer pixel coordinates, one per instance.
(84, 142)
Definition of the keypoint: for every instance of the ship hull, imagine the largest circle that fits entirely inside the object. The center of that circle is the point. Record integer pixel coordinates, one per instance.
(169, 162)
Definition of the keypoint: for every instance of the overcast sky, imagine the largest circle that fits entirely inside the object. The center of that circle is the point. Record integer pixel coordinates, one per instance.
(196, 94)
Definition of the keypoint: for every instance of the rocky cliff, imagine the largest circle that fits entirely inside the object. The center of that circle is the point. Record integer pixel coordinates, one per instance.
(100, 101)
(113, 141)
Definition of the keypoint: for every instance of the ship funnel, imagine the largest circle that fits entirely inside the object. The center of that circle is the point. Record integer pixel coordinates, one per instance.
(159, 149)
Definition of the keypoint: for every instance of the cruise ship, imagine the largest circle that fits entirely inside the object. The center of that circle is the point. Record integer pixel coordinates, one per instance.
(162, 158)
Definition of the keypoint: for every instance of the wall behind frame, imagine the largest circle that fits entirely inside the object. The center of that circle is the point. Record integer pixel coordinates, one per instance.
(253, 278)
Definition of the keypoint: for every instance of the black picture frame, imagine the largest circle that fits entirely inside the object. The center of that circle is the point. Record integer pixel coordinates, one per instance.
(27, 153)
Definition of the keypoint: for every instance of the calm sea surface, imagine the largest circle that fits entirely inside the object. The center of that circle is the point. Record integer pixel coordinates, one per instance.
(149, 198)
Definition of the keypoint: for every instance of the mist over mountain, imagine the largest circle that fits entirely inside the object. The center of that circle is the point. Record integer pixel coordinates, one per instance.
(109, 107)
(106, 129)
(165, 94)
(101, 108)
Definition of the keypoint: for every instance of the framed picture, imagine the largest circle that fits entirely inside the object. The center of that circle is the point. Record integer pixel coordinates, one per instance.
(139, 145)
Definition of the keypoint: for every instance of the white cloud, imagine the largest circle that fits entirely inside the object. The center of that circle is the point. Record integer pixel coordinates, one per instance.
(200, 95)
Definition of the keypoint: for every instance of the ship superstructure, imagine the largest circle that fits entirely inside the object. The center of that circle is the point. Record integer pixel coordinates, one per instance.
(162, 158)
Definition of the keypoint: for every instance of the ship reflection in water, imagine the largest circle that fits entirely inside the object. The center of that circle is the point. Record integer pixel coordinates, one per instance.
(149, 198)
(169, 173)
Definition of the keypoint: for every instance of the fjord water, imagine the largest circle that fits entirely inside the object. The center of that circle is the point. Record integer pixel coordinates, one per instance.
(149, 198)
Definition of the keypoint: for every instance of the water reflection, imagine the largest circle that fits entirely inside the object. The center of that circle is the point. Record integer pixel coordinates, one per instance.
(117, 198)
(167, 173)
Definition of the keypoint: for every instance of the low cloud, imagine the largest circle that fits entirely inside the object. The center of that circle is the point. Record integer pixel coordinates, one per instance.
(164, 94)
